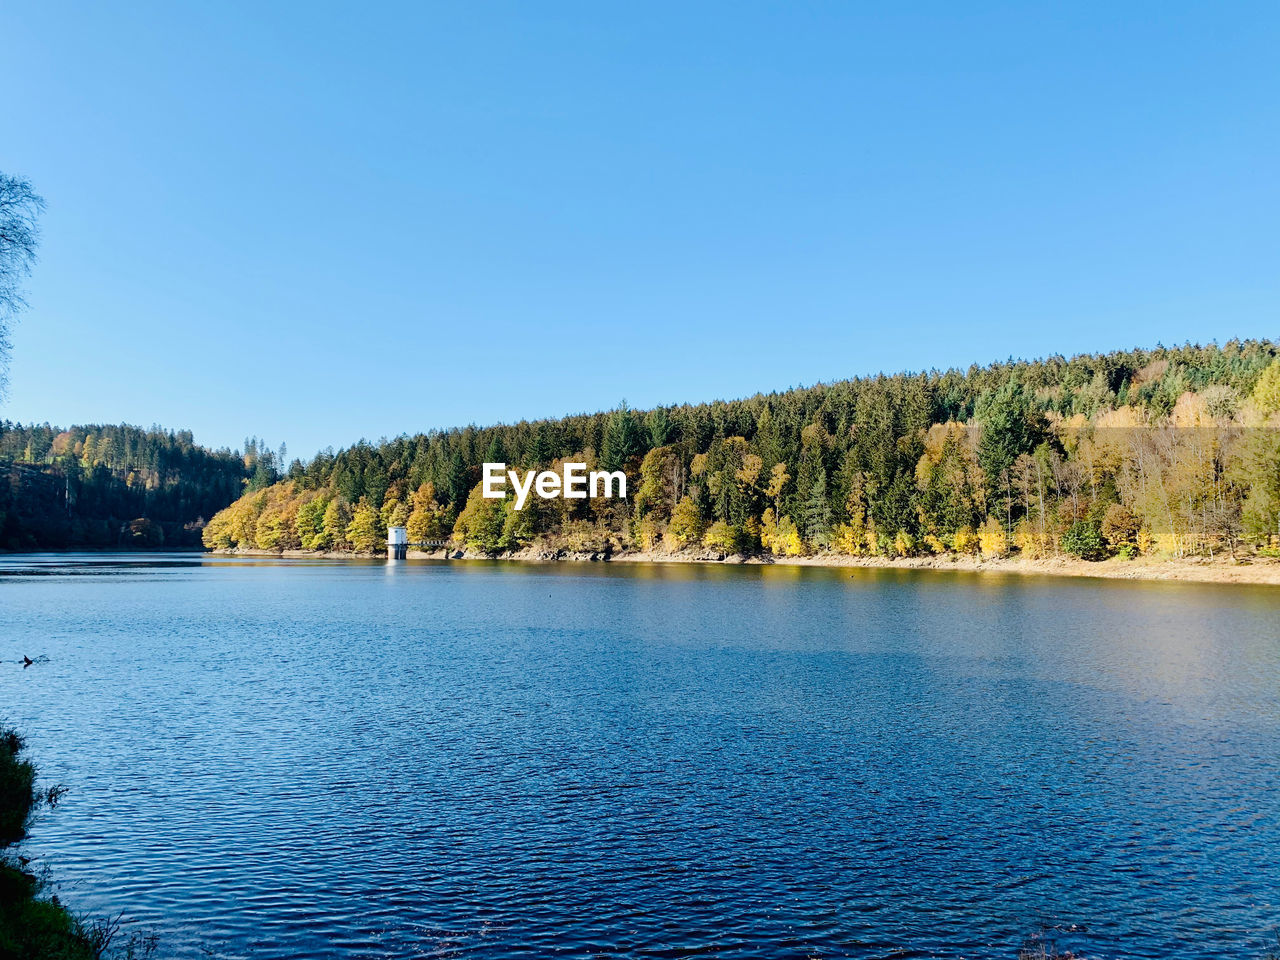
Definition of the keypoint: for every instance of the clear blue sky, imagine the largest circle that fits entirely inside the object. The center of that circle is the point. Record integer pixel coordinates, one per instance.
(316, 222)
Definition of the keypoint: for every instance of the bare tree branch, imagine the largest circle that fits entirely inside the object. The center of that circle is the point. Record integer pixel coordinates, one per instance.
(20, 209)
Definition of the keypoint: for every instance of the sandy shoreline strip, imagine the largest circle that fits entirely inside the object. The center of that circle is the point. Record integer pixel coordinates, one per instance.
(1254, 570)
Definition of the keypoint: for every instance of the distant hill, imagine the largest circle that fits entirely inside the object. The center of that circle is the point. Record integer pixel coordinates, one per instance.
(111, 486)
(1169, 450)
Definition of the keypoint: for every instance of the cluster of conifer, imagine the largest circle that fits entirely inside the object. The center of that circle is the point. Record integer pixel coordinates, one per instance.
(117, 485)
(1172, 450)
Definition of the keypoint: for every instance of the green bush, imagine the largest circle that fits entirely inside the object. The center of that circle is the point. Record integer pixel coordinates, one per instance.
(1084, 540)
(32, 926)
(17, 789)
(722, 536)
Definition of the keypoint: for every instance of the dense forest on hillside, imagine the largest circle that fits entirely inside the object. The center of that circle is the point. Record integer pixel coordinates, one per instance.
(1172, 451)
(109, 486)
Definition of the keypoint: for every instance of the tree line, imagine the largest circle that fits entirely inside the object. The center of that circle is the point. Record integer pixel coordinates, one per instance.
(107, 486)
(1171, 451)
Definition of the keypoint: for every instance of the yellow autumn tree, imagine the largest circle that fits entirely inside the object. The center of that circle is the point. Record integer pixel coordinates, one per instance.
(778, 480)
(1030, 541)
(992, 539)
(481, 522)
(394, 513)
(966, 541)
(427, 520)
(364, 533)
(649, 534)
(337, 516)
(686, 524)
(768, 529)
(275, 527)
(1266, 394)
(849, 540)
(780, 537)
(309, 523)
(721, 536)
(216, 534)
(788, 543)
(661, 480)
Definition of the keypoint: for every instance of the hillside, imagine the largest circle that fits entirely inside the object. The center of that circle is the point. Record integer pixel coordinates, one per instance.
(1165, 451)
(112, 486)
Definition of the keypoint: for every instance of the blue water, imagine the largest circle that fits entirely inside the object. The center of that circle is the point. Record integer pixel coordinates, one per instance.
(322, 759)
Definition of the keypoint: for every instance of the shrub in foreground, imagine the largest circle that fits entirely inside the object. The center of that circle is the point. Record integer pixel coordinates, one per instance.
(34, 926)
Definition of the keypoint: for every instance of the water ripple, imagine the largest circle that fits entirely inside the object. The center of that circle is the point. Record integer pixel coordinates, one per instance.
(276, 760)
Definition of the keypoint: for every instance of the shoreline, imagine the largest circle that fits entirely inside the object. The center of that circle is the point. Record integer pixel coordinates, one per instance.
(1258, 571)
(1254, 571)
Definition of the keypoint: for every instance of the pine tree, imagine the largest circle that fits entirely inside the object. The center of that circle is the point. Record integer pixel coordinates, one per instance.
(817, 512)
(622, 439)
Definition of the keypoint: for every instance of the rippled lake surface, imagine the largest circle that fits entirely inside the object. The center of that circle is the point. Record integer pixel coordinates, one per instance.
(348, 760)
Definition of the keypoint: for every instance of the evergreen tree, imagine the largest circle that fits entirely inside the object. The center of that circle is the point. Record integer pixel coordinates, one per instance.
(1010, 428)
(817, 512)
(622, 439)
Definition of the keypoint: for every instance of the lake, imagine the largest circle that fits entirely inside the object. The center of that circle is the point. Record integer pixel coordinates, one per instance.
(277, 759)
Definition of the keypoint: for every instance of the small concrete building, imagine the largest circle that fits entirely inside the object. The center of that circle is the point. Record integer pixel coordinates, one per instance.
(397, 543)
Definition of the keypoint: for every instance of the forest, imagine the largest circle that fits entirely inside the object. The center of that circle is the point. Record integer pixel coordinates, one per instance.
(1169, 452)
(118, 486)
